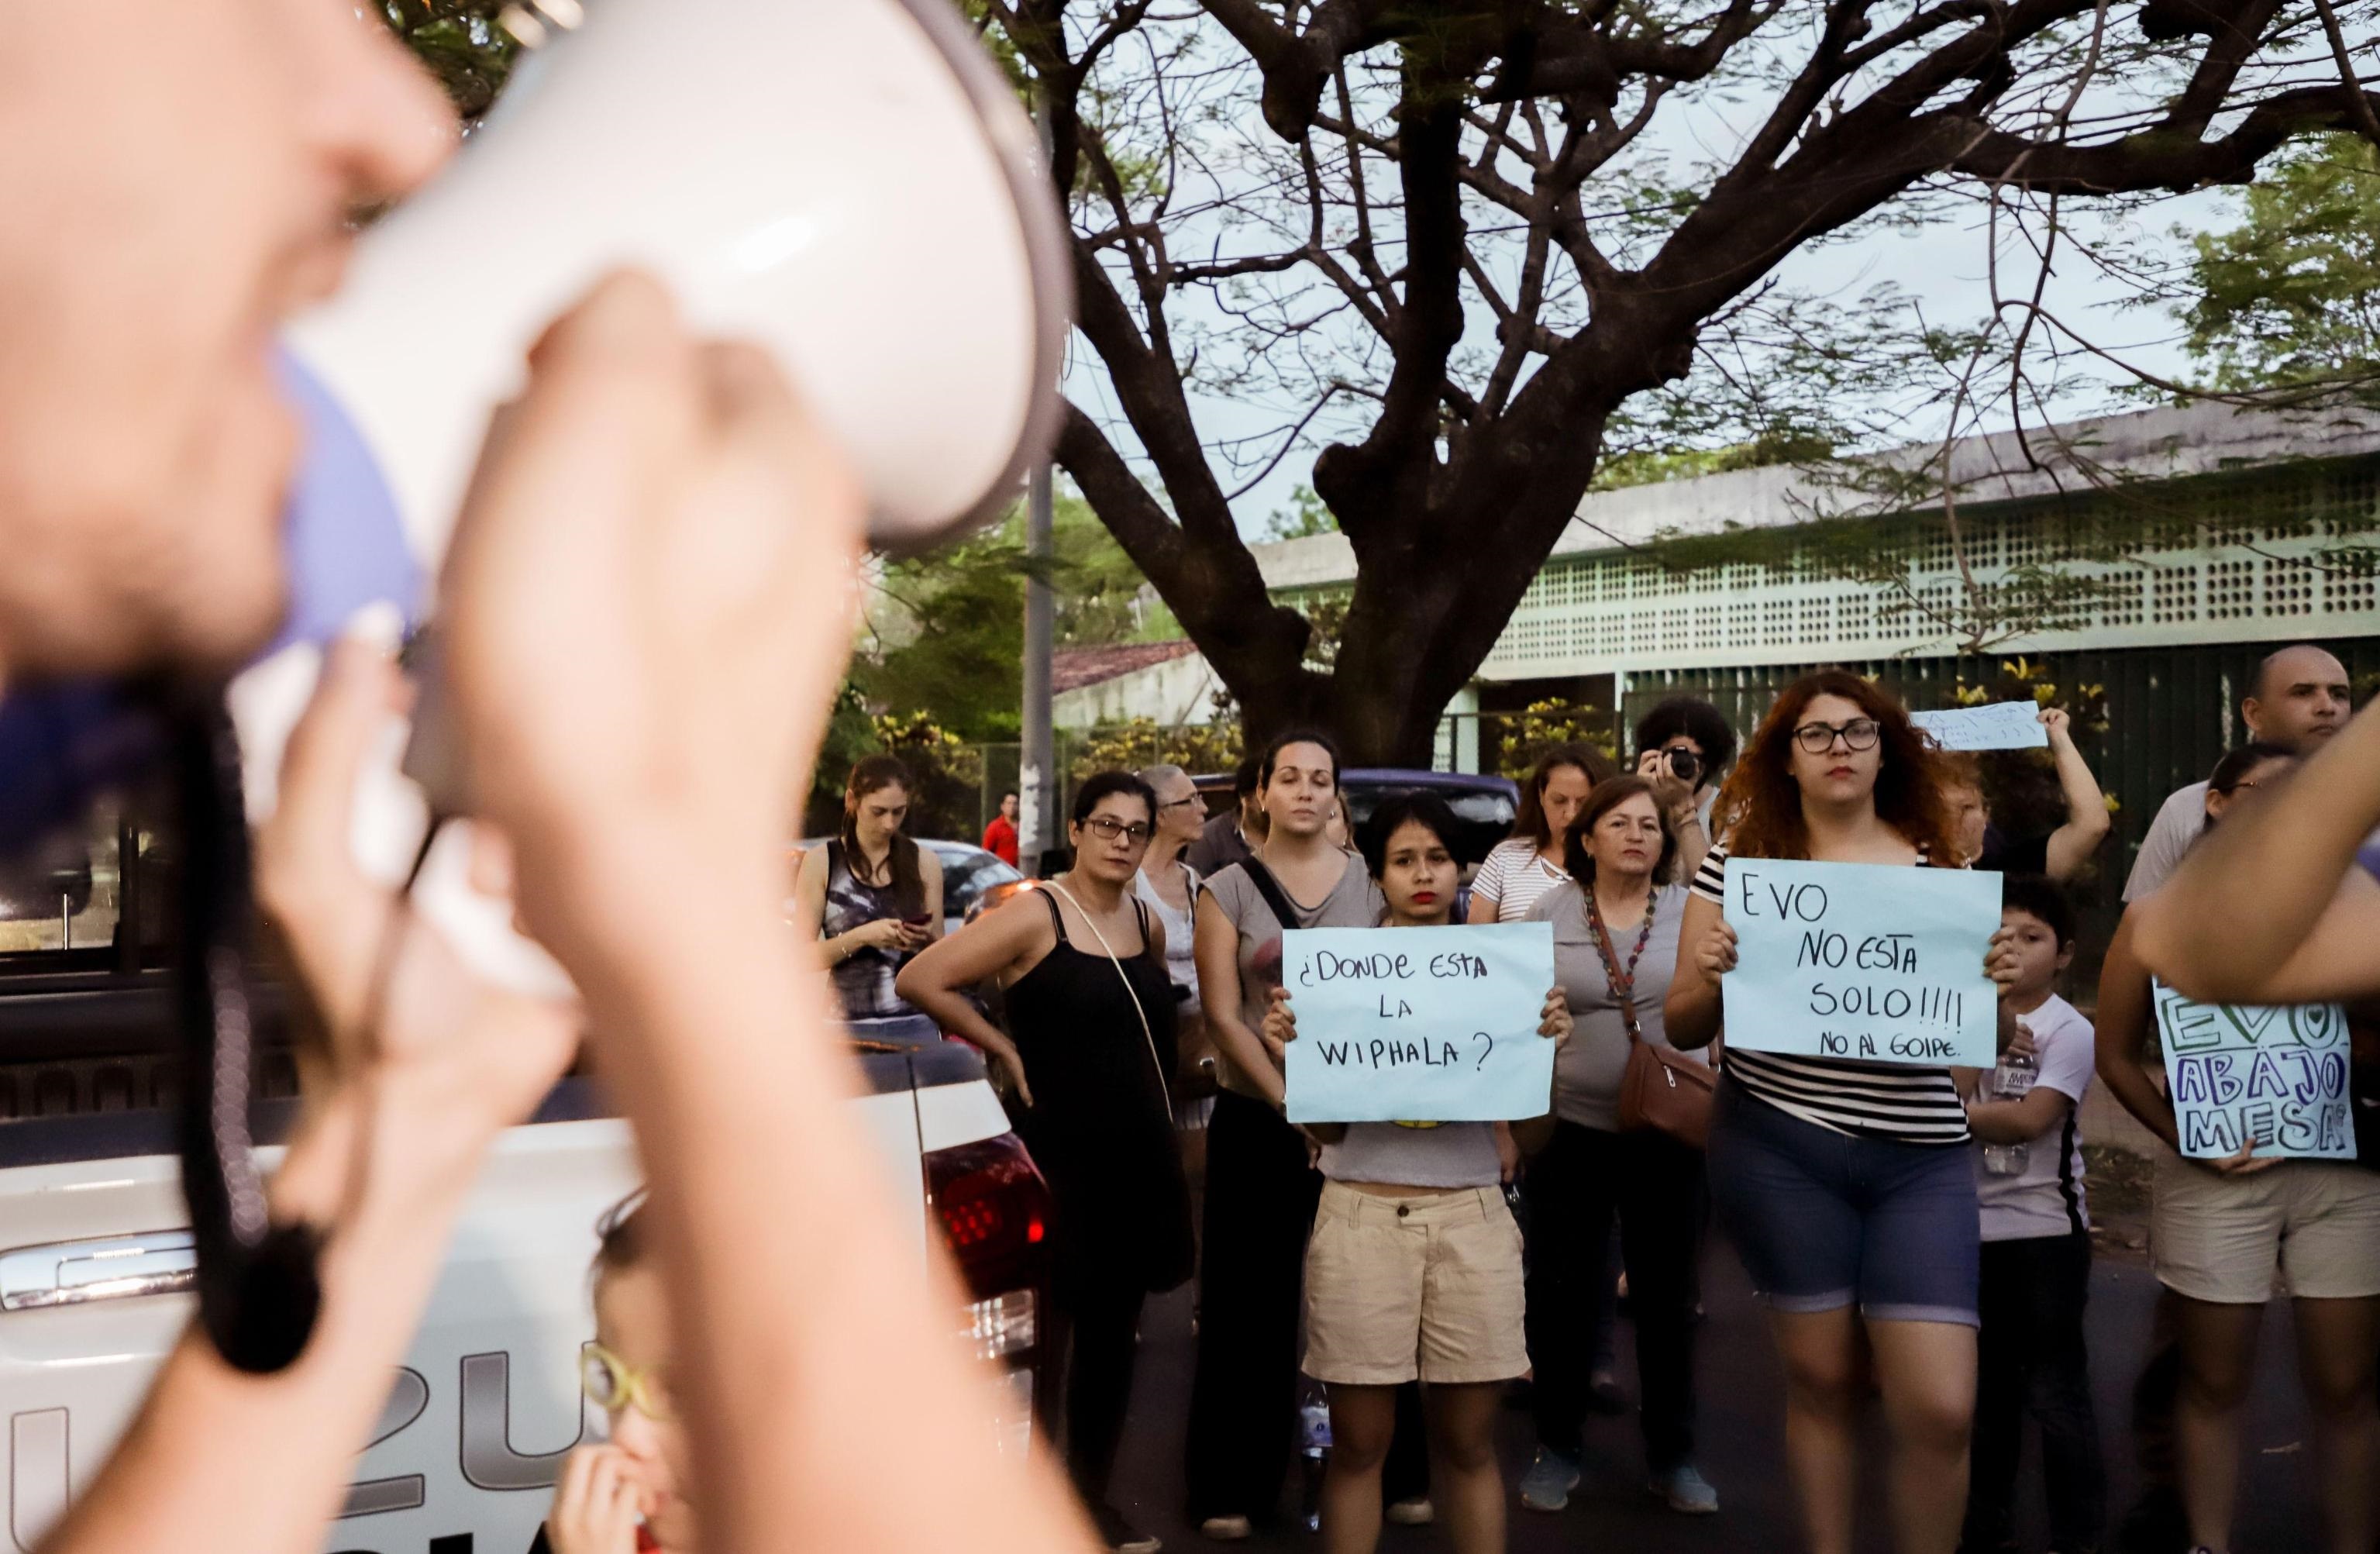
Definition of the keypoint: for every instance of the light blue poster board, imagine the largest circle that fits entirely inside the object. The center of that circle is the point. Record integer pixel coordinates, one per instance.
(1419, 1024)
(1993, 725)
(2277, 1076)
(1865, 961)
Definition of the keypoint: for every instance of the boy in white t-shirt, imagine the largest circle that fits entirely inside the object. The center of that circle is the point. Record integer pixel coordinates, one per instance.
(2036, 1253)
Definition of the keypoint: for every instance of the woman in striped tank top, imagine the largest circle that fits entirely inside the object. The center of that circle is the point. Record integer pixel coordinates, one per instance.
(1842, 1182)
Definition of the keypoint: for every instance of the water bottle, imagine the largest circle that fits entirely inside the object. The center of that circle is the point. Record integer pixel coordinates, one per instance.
(2010, 1080)
(1314, 1451)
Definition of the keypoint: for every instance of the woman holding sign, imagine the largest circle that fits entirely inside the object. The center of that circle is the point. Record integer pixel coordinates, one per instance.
(1414, 1271)
(2221, 1227)
(1843, 1181)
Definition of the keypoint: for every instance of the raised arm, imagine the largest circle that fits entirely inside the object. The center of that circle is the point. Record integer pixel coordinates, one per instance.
(1215, 947)
(218, 1462)
(2087, 822)
(1690, 1014)
(2313, 933)
(651, 478)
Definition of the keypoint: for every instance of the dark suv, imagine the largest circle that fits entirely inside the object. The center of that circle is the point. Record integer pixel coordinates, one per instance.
(1484, 805)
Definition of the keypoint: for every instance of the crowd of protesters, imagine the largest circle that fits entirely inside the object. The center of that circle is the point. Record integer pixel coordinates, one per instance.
(1919, 1237)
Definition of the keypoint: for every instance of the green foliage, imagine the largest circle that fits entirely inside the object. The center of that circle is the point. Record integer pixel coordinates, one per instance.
(1195, 748)
(1650, 466)
(461, 44)
(1522, 737)
(1305, 517)
(948, 629)
(949, 638)
(2291, 295)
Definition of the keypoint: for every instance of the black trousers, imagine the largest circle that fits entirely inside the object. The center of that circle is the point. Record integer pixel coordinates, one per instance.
(2031, 1362)
(1101, 1321)
(1584, 1180)
(1260, 1200)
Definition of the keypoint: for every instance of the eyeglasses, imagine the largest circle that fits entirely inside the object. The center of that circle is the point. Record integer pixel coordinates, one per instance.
(1859, 733)
(613, 1384)
(1177, 803)
(1106, 828)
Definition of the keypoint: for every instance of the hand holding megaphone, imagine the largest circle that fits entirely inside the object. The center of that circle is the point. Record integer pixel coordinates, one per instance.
(647, 602)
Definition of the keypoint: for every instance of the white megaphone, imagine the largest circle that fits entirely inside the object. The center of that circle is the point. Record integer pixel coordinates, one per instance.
(851, 183)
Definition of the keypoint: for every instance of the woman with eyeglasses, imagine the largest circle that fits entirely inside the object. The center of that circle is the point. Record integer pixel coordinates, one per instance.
(1090, 1048)
(626, 1494)
(1844, 1183)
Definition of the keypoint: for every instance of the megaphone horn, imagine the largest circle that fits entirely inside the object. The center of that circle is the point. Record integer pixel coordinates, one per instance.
(852, 183)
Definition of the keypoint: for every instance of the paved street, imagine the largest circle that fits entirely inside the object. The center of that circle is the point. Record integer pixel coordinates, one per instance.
(1741, 1430)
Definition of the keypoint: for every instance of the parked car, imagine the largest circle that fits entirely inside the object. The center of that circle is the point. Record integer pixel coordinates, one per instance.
(1484, 805)
(95, 1260)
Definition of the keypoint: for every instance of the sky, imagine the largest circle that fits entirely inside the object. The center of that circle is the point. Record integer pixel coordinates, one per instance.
(1940, 268)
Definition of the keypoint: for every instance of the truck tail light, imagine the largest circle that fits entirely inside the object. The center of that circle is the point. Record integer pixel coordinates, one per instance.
(994, 1210)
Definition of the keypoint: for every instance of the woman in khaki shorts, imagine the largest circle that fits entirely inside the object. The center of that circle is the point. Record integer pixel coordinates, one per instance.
(2220, 1230)
(1413, 1270)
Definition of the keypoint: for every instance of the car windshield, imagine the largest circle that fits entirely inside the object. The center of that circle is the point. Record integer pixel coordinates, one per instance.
(966, 875)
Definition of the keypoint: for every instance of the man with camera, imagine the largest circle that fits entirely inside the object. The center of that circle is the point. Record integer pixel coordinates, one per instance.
(1684, 739)
(182, 178)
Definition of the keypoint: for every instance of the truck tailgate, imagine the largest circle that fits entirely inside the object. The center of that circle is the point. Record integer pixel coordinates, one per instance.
(488, 1400)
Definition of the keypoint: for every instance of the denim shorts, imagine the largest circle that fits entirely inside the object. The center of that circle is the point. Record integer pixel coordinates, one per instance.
(1825, 1220)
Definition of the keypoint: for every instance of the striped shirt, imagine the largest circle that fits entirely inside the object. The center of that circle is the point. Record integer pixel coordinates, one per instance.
(1515, 875)
(1903, 1102)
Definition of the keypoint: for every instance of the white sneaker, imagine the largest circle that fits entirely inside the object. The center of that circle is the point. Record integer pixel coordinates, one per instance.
(1225, 1529)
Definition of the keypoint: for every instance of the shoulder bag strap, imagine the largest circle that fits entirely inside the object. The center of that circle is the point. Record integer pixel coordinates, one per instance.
(1146, 1034)
(1275, 897)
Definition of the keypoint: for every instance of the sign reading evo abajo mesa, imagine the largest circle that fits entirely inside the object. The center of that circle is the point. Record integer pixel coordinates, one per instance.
(1843, 960)
(1419, 1024)
(2275, 1075)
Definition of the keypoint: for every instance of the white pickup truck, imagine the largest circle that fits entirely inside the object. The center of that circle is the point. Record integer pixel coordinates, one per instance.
(93, 1258)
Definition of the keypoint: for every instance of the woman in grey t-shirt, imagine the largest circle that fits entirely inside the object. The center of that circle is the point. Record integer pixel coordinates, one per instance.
(1615, 949)
(1260, 1185)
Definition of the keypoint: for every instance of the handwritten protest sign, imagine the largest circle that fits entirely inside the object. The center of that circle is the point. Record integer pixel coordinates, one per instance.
(1844, 960)
(1994, 725)
(2277, 1076)
(1419, 1024)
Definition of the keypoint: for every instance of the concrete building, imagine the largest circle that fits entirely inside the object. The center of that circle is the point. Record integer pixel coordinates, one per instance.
(2189, 529)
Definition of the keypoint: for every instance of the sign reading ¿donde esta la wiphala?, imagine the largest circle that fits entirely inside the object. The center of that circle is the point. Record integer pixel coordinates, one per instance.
(2275, 1075)
(1419, 1024)
(1864, 961)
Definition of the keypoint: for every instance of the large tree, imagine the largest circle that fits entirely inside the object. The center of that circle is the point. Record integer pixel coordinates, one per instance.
(1470, 238)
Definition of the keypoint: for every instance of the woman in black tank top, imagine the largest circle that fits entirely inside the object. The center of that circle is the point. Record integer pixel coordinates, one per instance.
(1090, 1040)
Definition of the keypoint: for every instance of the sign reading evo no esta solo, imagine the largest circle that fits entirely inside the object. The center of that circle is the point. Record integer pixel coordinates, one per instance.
(1419, 1024)
(1881, 963)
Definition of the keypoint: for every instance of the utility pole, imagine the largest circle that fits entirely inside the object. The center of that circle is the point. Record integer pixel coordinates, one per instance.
(1036, 777)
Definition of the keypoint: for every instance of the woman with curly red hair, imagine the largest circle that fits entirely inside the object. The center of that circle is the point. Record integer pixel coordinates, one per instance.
(1843, 1183)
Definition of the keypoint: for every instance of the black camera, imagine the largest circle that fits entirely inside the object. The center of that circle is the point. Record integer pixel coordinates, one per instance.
(1684, 765)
